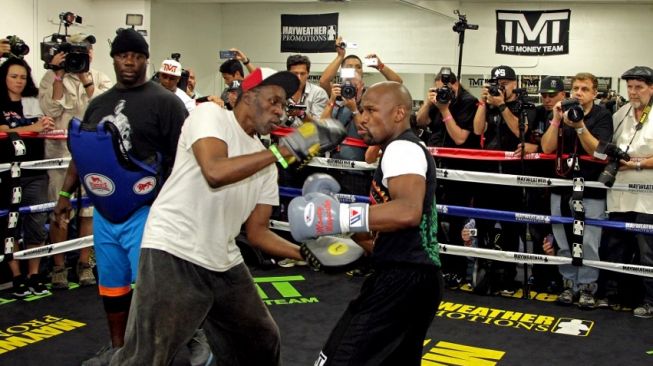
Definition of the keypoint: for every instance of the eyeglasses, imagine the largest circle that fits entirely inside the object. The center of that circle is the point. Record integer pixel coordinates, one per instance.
(549, 95)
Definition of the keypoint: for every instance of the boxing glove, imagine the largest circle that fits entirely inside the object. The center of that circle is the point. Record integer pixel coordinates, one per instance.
(331, 133)
(318, 214)
(311, 138)
(320, 182)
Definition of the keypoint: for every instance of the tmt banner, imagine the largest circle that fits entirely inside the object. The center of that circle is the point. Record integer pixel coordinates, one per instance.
(533, 33)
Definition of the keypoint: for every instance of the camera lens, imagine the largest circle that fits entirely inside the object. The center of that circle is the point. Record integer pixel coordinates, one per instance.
(347, 90)
(77, 62)
(609, 174)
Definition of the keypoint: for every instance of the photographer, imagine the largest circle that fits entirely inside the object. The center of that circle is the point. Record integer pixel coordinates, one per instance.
(581, 137)
(347, 111)
(63, 96)
(353, 61)
(232, 70)
(633, 133)
(497, 123)
(449, 112)
(312, 97)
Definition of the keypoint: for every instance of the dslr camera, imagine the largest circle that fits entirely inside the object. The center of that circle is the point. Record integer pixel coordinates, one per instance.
(17, 46)
(77, 54)
(612, 153)
(573, 109)
(445, 94)
(347, 88)
(494, 88)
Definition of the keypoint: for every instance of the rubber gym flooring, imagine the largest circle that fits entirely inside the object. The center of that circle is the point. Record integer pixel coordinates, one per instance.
(69, 326)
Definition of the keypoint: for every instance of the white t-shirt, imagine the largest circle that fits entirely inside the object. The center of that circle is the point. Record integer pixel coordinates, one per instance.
(189, 102)
(195, 222)
(624, 123)
(403, 157)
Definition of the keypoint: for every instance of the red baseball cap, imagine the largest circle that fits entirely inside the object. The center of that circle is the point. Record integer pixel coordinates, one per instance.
(263, 76)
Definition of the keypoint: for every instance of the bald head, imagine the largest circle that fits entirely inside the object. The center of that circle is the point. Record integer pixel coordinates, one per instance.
(393, 93)
(386, 112)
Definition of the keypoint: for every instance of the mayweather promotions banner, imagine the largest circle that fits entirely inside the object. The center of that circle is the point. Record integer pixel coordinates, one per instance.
(309, 33)
(533, 33)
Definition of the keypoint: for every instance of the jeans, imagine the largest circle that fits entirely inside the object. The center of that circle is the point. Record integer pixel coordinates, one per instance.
(594, 209)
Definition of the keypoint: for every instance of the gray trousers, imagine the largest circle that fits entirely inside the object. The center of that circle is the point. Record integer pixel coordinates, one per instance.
(174, 297)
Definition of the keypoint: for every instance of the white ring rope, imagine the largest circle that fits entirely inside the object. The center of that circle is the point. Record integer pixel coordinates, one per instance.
(517, 257)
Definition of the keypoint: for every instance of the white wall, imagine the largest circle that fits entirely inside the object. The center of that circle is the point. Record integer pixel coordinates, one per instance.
(605, 39)
(32, 20)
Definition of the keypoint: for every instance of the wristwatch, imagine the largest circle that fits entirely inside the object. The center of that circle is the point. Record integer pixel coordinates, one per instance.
(580, 130)
(502, 108)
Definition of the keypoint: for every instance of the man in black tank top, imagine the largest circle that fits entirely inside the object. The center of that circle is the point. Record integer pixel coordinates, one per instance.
(386, 324)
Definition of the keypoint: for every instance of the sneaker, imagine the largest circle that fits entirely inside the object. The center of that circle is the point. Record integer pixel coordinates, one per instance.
(200, 352)
(586, 299)
(288, 263)
(20, 288)
(452, 280)
(603, 303)
(36, 285)
(60, 277)
(644, 311)
(102, 357)
(566, 297)
(85, 274)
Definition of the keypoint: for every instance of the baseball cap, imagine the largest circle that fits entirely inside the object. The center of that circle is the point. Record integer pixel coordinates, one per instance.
(81, 37)
(170, 67)
(263, 76)
(552, 84)
(234, 85)
(504, 72)
(643, 73)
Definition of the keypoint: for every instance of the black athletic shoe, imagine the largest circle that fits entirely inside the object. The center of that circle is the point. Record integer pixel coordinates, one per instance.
(37, 285)
(20, 288)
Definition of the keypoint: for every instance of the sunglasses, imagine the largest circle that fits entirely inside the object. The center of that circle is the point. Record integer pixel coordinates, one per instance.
(549, 95)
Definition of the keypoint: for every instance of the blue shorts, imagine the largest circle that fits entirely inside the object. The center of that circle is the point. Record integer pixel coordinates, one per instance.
(117, 248)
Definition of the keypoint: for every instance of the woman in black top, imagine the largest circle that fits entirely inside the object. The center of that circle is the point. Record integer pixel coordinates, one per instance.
(21, 113)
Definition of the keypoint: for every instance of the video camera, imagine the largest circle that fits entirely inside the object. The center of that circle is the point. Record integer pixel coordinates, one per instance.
(573, 109)
(445, 94)
(18, 47)
(77, 54)
(462, 25)
(185, 74)
(609, 151)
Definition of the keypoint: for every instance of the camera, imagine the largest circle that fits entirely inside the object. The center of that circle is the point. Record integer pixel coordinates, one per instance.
(573, 109)
(445, 94)
(183, 80)
(494, 88)
(604, 151)
(18, 46)
(77, 54)
(347, 88)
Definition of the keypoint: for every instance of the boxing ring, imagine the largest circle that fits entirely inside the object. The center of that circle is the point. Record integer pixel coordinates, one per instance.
(68, 326)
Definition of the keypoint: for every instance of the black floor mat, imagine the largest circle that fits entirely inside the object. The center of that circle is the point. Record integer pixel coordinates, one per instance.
(69, 326)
